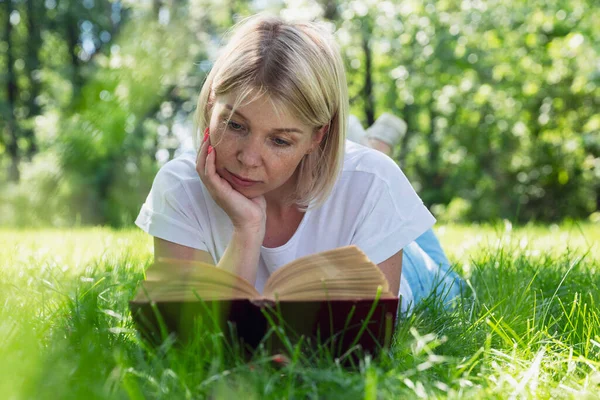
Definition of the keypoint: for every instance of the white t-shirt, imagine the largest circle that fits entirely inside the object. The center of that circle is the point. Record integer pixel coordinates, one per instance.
(372, 206)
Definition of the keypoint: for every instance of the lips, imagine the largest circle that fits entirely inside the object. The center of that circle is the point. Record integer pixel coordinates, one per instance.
(239, 181)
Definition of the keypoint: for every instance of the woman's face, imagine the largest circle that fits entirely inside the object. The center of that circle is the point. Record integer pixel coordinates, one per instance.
(258, 150)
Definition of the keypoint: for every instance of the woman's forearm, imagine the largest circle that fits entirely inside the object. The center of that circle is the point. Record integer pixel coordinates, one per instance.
(243, 252)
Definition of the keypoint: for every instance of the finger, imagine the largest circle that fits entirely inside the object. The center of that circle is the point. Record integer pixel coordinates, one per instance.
(215, 180)
(210, 167)
(198, 153)
(202, 152)
(201, 160)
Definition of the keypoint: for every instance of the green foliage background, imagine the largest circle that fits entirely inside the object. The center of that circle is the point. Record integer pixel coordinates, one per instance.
(502, 99)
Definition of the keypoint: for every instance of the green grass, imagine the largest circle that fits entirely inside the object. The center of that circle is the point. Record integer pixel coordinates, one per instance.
(530, 328)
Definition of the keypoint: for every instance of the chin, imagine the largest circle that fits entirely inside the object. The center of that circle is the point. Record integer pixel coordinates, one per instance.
(249, 192)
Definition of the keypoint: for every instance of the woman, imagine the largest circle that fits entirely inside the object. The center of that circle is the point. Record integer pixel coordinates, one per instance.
(274, 178)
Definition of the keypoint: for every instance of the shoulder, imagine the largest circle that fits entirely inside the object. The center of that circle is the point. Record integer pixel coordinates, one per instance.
(176, 171)
(367, 177)
(377, 178)
(178, 191)
(366, 163)
(175, 208)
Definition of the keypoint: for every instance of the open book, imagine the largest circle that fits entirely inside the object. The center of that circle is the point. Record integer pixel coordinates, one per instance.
(324, 294)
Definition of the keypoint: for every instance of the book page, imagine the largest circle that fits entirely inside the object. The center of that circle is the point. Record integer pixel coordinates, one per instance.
(345, 273)
(173, 279)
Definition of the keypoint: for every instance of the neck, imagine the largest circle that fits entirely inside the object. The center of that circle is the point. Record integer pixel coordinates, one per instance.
(276, 199)
(277, 208)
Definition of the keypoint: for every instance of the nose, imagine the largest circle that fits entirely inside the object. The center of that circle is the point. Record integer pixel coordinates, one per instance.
(250, 152)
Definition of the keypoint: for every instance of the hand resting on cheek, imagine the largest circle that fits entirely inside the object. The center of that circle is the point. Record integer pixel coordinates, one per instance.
(245, 213)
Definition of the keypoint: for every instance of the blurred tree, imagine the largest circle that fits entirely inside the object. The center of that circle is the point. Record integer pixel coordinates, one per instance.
(31, 70)
(11, 18)
(139, 85)
(31, 67)
(496, 97)
(501, 99)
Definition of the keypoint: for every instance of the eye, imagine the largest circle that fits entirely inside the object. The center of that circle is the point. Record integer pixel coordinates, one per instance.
(280, 142)
(235, 126)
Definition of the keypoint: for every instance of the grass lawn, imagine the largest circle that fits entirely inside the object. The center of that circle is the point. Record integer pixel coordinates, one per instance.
(529, 328)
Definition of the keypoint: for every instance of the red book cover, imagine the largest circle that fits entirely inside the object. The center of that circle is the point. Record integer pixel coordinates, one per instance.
(340, 325)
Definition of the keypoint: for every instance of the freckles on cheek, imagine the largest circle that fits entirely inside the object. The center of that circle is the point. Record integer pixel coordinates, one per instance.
(288, 164)
(219, 139)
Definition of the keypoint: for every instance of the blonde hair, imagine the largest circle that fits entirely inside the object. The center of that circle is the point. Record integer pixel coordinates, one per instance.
(300, 67)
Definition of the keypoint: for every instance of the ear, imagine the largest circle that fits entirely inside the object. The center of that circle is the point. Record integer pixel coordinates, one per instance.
(318, 136)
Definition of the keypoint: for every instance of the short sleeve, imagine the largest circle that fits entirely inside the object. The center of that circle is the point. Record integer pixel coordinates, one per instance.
(168, 212)
(393, 215)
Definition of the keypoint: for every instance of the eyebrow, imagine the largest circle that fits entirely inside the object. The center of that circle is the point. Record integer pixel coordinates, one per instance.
(284, 130)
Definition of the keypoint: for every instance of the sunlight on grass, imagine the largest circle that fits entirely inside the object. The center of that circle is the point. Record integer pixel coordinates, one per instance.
(465, 241)
(530, 326)
(72, 249)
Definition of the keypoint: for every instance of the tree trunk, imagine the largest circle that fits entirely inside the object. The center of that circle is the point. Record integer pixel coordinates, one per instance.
(72, 30)
(156, 4)
(32, 66)
(11, 94)
(368, 87)
(330, 11)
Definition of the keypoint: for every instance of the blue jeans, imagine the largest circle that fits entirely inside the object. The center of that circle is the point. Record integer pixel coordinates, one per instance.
(427, 270)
